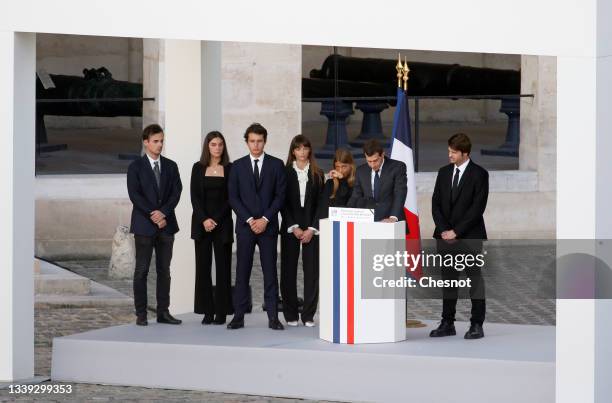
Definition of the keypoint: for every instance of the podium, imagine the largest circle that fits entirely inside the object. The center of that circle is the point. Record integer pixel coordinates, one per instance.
(346, 316)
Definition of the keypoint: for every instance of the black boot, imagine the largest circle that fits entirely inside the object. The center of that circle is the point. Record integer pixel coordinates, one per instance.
(446, 328)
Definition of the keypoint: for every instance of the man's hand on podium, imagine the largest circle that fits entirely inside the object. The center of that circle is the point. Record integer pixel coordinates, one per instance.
(389, 219)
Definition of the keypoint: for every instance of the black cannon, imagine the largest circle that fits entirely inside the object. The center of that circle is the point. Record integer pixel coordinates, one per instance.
(376, 80)
(94, 94)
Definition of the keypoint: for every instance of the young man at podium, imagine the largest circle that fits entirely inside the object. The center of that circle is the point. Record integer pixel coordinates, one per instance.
(380, 184)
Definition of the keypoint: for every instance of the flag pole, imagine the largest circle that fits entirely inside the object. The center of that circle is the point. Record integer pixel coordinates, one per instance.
(402, 72)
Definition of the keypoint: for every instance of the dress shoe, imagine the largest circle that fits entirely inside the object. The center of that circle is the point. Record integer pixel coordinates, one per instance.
(207, 320)
(141, 321)
(446, 328)
(236, 323)
(219, 320)
(292, 323)
(309, 323)
(475, 332)
(275, 324)
(167, 318)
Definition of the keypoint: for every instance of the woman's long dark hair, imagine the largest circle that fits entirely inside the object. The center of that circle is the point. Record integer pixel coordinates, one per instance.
(344, 157)
(300, 140)
(205, 158)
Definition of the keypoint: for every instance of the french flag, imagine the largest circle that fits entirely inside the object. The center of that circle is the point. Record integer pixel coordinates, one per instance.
(401, 150)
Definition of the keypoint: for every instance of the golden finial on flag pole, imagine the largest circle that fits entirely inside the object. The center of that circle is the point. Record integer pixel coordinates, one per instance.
(399, 69)
(405, 71)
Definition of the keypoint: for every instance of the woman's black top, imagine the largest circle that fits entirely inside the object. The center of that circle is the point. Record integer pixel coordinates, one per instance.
(209, 199)
(343, 194)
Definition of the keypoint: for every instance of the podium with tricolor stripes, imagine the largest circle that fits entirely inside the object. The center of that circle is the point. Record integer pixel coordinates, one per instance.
(344, 316)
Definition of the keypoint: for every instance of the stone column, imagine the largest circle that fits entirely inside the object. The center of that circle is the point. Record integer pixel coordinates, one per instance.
(17, 116)
(261, 83)
(135, 70)
(152, 81)
(182, 77)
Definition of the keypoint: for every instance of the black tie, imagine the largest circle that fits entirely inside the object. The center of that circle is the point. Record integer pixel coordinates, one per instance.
(256, 173)
(157, 173)
(376, 184)
(455, 184)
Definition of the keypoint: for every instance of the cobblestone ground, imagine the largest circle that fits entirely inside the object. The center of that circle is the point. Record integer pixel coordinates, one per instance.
(526, 307)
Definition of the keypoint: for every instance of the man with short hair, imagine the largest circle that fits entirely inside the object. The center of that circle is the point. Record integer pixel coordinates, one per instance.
(154, 187)
(457, 205)
(380, 184)
(256, 190)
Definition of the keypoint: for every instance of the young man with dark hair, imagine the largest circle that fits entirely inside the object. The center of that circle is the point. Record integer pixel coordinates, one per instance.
(154, 187)
(457, 205)
(256, 190)
(380, 184)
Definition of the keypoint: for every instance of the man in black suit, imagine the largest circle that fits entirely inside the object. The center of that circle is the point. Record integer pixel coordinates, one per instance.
(256, 190)
(380, 184)
(458, 204)
(154, 187)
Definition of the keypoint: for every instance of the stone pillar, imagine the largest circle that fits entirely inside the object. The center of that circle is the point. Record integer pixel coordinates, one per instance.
(538, 147)
(135, 70)
(17, 116)
(152, 81)
(182, 77)
(261, 83)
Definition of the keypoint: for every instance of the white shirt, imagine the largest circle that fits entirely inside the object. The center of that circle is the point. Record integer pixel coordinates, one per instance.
(259, 163)
(461, 171)
(302, 175)
(373, 174)
(152, 162)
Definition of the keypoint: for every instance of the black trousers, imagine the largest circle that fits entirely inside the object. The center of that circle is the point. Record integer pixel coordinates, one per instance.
(290, 253)
(162, 244)
(245, 247)
(450, 295)
(205, 302)
(477, 289)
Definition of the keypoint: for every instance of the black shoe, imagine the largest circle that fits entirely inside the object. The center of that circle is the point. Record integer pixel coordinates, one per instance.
(236, 323)
(475, 332)
(207, 320)
(446, 328)
(219, 320)
(167, 318)
(141, 321)
(275, 324)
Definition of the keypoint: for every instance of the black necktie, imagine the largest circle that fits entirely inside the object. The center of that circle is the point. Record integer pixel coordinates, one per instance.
(256, 173)
(455, 183)
(157, 173)
(376, 184)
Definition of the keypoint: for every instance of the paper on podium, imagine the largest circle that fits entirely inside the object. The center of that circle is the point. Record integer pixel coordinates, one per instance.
(347, 314)
(351, 214)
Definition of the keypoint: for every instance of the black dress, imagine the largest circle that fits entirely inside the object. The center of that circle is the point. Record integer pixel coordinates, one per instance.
(343, 194)
(209, 199)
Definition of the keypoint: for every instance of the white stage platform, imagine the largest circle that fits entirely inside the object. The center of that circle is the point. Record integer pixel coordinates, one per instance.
(512, 363)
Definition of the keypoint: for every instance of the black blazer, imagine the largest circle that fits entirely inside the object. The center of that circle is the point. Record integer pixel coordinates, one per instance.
(292, 212)
(343, 194)
(146, 197)
(222, 215)
(257, 200)
(464, 214)
(393, 190)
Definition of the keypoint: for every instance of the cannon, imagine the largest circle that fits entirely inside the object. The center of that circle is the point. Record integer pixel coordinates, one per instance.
(94, 94)
(375, 80)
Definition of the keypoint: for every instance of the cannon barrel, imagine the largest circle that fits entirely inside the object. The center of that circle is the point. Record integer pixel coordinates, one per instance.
(426, 79)
(95, 85)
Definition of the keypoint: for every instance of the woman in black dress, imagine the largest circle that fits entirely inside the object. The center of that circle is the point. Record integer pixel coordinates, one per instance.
(339, 187)
(212, 229)
(299, 229)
